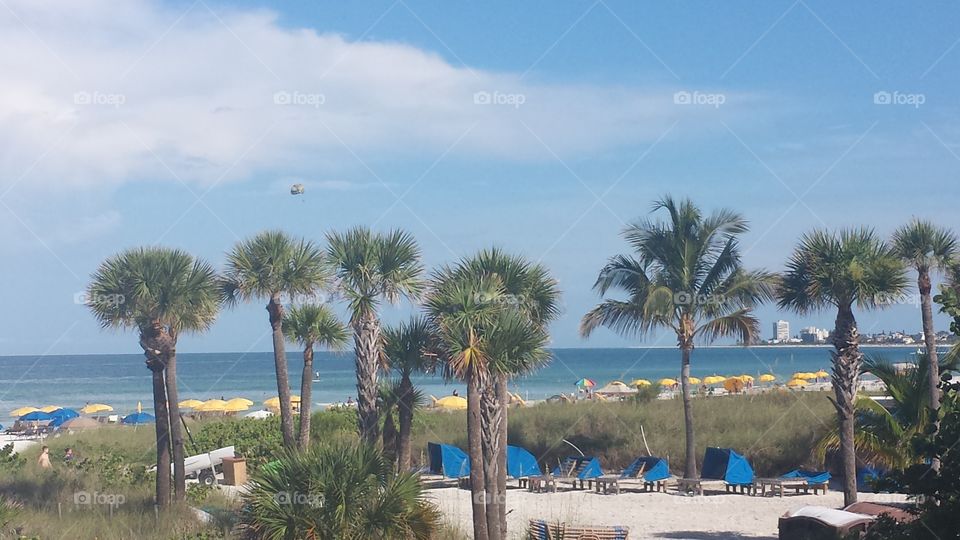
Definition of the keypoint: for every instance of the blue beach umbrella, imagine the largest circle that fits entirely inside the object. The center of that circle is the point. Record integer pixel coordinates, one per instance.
(36, 416)
(138, 418)
(65, 414)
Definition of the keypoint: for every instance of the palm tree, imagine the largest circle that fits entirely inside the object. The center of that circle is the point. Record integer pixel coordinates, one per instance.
(409, 349)
(529, 290)
(371, 268)
(885, 435)
(926, 248)
(685, 275)
(161, 292)
(337, 492)
(852, 267)
(270, 265)
(312, 325)
(486, 335)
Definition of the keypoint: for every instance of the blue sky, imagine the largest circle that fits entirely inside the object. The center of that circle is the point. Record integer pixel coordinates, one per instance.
(541, 127)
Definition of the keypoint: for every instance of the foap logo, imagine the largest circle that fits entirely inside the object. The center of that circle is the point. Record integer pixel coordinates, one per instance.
(904, 299)
(287, 498)
(105, 99)
(696, 97)
(896, 97)
(87, 299)
(499, 98)
(300, 299)
(685, 298)
(302, 99)
(508, 299)
(89, 498)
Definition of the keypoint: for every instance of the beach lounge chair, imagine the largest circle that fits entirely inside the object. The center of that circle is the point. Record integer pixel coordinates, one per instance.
(650, 473)
(543, 530)
(820, 522)
(724, 467)
(798, 479)
(576, 469)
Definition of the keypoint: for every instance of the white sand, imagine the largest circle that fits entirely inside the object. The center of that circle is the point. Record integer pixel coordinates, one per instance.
(649, 515)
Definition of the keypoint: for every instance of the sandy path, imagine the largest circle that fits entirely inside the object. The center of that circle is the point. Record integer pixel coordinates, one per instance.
(649, 515)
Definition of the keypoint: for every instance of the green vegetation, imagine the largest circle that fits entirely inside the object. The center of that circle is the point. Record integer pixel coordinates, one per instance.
(337, 492)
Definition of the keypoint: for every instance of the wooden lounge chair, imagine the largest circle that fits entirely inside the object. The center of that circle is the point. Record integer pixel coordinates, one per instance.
(572, 469)
(543, 530)
(649, 473)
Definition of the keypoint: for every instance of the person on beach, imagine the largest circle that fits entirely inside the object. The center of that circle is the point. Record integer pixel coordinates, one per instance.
(68, 455)
(455, 392)
(44, 460)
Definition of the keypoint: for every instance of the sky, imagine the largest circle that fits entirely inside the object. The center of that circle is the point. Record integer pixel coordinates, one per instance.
(540, 127)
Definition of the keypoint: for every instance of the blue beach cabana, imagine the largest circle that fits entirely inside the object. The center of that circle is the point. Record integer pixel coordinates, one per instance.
(521, 463)
(727, 465)
(448, 460)
(138, 418)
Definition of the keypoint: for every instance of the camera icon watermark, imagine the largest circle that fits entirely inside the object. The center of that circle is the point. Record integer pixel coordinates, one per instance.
(90, 498)
(696, 97)
(904, 299)
(85, 298)
(99, 98)
(303, 99)
(499, 98)
(884, 97)
(295, 498)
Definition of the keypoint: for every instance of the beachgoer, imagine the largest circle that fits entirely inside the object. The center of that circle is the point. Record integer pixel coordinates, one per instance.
(44, 460)
(349, 401)
(68, 455)
(455, 392)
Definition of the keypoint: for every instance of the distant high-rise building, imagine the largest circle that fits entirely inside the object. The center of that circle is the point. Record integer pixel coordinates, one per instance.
(781, 331)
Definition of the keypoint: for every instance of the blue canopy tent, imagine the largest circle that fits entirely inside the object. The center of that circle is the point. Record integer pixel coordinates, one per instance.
(36, 416)
(727, 465)
(812, 477)
(138, 418)
(62, 415)
(448, 460)
(654, 469)
(580, 467)
(521, 463)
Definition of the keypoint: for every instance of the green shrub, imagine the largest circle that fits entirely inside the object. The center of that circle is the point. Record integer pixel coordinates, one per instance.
(259, 441)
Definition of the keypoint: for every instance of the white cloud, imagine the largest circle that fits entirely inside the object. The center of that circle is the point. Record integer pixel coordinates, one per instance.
(96, 94)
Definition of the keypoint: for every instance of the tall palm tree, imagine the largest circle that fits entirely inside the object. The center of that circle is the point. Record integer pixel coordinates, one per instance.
(371, 268)
(530, 291)
(270, 265)
(160, 292)
(409, 348)
(486, 335)
(312, 325)
(686, 276)
(885, 435)
(852, 267)
(927, 248)
(337, 492)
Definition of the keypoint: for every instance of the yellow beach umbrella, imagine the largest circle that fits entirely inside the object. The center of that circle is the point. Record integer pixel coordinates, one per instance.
(94, 408)
(640, 382)
(274, 402)
(746, 378)
(139, 407)
(733, 384)
(822, 374)
(803, 375)
(767, 377)
(213, 405)
(714, 379)
(667, 382)
(50, 408)
(797, 383)
(236, 405)
(190, 403)
(22, 411)
(243, 400)
(694, 380)
(453, 403)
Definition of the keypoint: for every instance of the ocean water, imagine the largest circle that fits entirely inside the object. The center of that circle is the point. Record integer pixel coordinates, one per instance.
(121, 380)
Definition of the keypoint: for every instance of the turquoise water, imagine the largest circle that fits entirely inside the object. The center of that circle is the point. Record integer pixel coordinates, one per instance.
(123, 380)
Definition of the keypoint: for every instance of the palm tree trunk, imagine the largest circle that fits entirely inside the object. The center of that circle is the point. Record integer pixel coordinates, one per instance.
(275, 309)
(406, 423)
(846, 372)
(930, 340)
(176, 430)
(690, 460)
(389, 436)
(504, 398)
(162, 426)
(306, 391)
(474, 449)
(366, 338)
(490, 415)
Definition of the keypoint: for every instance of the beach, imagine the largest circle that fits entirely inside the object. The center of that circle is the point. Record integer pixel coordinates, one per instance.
(648, 515)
